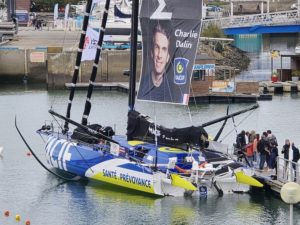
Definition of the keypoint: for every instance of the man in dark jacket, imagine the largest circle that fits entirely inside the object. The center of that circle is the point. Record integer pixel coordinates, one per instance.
(262, 146)
(285, 149)
(296, 156)
(241, 139)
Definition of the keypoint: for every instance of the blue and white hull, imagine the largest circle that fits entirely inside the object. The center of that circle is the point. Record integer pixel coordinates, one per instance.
(98, 165)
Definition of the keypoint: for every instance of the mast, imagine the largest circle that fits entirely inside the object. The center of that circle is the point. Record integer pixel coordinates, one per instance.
(78, 61)
(133, 54)
(88, 105)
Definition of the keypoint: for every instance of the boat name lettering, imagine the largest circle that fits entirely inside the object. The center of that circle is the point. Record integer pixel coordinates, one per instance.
(152, 131)
(135, 180)
(108, 173)
(191, 33)
(127, 178)
(185, 44)
(170, 138)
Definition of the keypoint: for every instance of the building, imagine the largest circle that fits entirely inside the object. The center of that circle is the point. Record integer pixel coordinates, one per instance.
(23, 5)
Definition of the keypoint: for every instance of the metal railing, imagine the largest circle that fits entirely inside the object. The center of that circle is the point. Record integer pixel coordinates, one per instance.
(287, 170)
(274, 18)
(8, 30)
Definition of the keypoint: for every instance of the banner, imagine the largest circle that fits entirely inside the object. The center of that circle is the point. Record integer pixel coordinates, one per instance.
(223, 86)
(67, 14)
(98, 2)
(90, 44)
(170, 33)
(55, 14)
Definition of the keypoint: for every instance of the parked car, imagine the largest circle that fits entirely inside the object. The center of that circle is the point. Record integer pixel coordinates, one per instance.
(297, 49)
(213, 8)
(294, 6)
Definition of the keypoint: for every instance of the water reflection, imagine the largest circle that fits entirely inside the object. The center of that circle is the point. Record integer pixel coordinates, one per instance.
(27, 189)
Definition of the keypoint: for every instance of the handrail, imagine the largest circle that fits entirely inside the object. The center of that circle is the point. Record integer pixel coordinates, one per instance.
(274, 18)
(287, 170)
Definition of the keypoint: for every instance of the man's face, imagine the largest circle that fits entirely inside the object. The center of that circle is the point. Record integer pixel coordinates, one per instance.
(160, 53)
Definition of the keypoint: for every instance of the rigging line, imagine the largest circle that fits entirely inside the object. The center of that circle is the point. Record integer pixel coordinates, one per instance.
(194, 97)
(34, 155)
(237, 125)
(74, 146)
(63, 43)
(89, 130)
(189, 113)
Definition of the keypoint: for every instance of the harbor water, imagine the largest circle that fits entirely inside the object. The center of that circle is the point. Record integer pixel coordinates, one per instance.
(28, 190)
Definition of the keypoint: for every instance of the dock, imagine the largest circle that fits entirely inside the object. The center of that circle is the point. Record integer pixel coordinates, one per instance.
(205, 98)
(279, 87)
(287, 171)
(103, 86)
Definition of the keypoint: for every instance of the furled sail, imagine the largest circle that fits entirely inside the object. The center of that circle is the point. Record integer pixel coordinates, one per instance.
(170, 33)
(141, 127)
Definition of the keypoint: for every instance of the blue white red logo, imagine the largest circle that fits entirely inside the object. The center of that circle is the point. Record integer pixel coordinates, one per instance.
(180, 70)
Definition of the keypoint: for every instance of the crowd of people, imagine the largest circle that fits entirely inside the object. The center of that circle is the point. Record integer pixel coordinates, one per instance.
(262, 150)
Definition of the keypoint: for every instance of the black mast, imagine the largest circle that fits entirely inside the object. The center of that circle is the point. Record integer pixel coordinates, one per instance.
(78, 60)
(88, 105)
(133, 54)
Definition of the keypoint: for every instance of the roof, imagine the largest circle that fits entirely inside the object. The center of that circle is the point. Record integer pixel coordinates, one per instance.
(290, 55)
(204, 57)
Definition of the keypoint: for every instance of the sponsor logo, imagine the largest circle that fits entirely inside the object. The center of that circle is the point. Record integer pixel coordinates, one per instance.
(180, 70)
(127, 178)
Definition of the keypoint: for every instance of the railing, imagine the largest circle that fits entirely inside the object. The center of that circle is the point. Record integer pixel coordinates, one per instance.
(8, 30)
(274, 18)
(288, 170)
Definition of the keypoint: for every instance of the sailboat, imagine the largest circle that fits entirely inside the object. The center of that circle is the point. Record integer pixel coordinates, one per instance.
(151, 158)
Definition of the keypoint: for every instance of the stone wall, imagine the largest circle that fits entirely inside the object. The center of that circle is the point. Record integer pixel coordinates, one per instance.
(110, 69)
(56, 69)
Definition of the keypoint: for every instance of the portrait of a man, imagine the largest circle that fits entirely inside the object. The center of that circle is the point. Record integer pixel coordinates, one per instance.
(155, 84)
(169, 47)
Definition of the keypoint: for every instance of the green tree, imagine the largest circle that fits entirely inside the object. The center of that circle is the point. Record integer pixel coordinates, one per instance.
(48, 5)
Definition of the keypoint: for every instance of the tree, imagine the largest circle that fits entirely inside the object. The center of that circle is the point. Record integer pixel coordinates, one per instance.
(48, 5)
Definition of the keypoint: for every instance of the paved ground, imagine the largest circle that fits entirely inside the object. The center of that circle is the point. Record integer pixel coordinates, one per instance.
(30, 38)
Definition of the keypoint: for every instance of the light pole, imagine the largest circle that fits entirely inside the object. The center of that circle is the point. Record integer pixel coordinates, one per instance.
(290, 193)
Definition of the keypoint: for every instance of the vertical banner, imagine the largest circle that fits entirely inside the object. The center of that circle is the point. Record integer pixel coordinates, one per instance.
(90, 45)
(55, 13)
(170, 33)
(67, 14)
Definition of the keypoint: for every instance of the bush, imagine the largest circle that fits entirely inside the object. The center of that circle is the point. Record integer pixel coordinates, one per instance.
(296, 73)
(213, 31)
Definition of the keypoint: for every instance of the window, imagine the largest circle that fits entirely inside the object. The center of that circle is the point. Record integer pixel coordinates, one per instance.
(199, 75)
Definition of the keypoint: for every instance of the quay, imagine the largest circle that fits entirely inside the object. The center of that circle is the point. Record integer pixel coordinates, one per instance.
(203, 98)
(279, 87)
(287, 171)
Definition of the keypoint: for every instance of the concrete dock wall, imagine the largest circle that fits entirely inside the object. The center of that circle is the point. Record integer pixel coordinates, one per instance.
(56, 68)
(12, 62)
(17, 63)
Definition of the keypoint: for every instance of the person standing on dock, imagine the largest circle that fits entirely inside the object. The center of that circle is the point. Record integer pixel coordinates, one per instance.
(249, 153)
(296, 157)
(241, 140)
(272, 138)
(285, 151)
(262, 148)
(255, 152)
